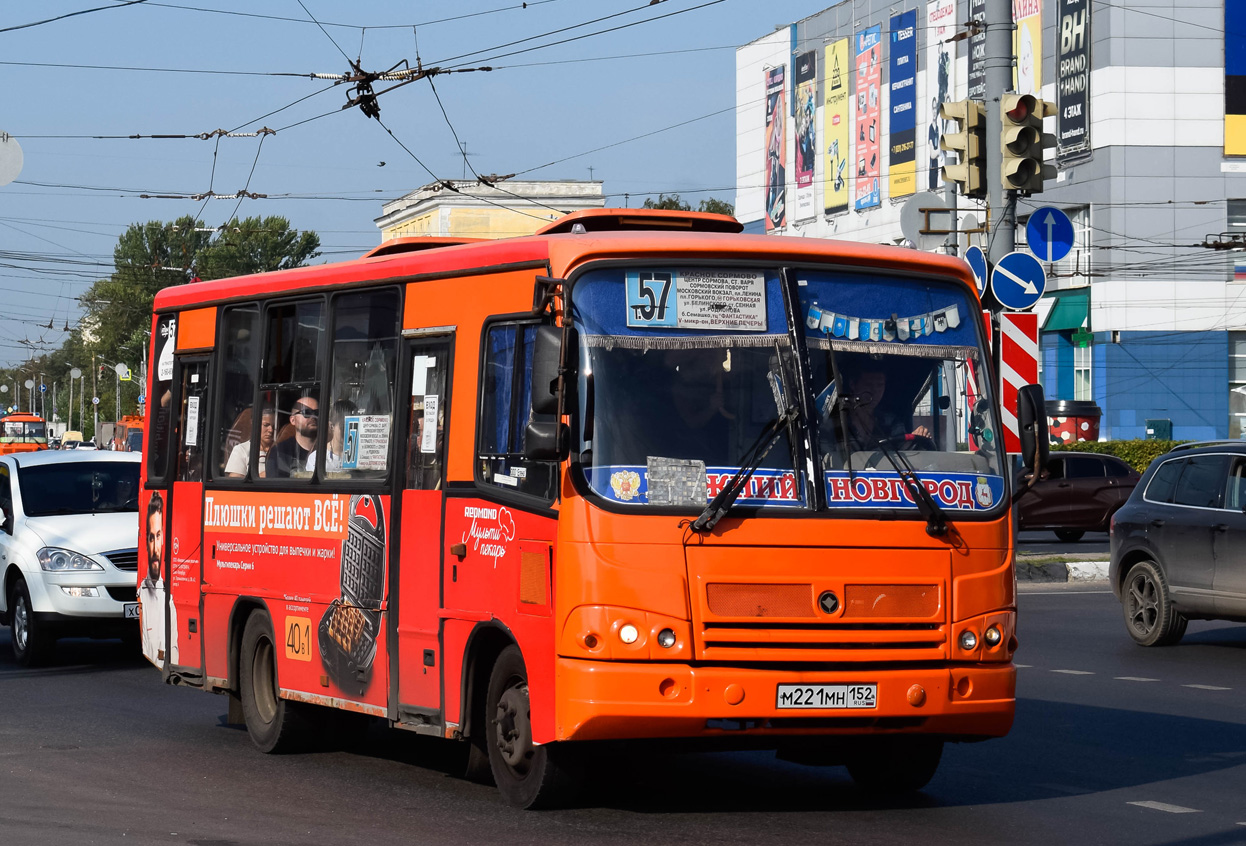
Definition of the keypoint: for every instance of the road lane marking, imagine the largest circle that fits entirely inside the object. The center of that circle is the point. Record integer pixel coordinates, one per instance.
(1134, 678)
(1074, 672)
(1069, 592)
(1164, 806)
(1205, 687)
(1024, 666)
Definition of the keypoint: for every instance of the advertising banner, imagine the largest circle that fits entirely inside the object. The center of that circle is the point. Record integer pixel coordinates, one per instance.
(776, 151)
(1027, 46)
(835, 128)
(1234, 78)
(977, 51)
(902, 130)
(806, 135)
(866, 192)
(940, 79)
(1073, 81)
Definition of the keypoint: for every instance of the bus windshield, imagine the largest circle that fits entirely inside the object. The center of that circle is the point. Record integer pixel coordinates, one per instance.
(24, 432)
(671, 401)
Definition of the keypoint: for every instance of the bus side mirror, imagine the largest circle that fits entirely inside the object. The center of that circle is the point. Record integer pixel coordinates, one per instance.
(546, 440)
(547, 358)
(1034, 431)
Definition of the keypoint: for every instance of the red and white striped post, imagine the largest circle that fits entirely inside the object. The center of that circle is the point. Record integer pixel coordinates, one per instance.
(1018, 366)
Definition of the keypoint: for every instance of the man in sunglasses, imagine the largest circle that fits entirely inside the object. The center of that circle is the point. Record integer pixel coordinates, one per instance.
(287, 458)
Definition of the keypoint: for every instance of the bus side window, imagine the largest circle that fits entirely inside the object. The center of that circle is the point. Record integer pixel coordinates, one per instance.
(426, 434)
(290, 386)
(506, 410)
(357, 427)
(160, 404)
(239, 354)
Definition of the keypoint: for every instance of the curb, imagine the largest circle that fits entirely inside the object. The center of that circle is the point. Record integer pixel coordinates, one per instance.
(1062, 571)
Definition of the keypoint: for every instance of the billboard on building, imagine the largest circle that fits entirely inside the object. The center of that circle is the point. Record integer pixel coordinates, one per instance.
(902, 131)
(1234, 78)
(1073, 81)
(835, 128)
(1027, 46)
(940, 82)
(806, 134)
(977, 50)
(866, 191)
(776, 150)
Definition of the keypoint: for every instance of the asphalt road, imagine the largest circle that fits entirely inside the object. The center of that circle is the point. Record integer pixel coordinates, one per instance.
(1113, 744)
(1046, 543)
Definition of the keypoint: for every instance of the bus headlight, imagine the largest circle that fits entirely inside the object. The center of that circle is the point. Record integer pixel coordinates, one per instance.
(628, 633)
(666, 638)
(992, 636)
(968, 640)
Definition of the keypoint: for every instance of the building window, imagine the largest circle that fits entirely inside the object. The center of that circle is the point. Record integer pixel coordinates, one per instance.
(1237, 384)
(1083, 383)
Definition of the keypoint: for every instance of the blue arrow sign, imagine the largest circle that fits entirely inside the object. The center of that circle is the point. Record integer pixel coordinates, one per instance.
(43, 389)
(977, 263)
(1018, 281)
(1049, 233)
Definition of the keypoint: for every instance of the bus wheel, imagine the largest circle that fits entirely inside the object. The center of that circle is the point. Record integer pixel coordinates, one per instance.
(32, 642)
(528, 776)
(895, 764)
(275, 724)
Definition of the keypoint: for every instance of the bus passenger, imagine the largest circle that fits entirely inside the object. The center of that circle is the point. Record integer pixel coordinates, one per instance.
(240, 456)
(337, 438)
(288, 457)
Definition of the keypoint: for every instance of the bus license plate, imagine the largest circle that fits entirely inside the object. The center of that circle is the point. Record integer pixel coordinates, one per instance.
(827, 696)
(131, 610)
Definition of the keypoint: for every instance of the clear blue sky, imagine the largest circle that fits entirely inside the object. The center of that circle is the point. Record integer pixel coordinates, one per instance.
(75, 195)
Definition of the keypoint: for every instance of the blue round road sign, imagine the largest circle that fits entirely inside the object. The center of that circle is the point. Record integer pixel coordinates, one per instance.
(1049, 233)
(1018, 281)
(977, 263)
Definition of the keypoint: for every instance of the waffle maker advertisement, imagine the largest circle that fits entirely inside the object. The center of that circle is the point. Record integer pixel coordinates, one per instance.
(334, 545)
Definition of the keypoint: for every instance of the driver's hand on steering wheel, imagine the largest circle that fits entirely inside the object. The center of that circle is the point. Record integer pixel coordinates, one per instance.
(923, 432)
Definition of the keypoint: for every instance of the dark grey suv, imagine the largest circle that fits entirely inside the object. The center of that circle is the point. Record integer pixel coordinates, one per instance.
(1179, 543)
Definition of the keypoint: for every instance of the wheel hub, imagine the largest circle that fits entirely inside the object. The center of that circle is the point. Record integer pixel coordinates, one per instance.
(514, 727)
(1143, 604)
(20, 624)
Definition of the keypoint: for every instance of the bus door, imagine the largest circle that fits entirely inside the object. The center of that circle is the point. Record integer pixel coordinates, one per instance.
(185, 539)
(421, 506)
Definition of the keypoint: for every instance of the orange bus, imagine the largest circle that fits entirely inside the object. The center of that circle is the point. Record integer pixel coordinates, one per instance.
(128, 434)
(22, 431)
(638, 476)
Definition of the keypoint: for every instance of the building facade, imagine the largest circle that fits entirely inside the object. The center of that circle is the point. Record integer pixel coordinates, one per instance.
(472, 210)
(837, 127)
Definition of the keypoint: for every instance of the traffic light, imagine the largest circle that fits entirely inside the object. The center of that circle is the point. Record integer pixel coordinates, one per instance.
(1022, 142)
(969, 143)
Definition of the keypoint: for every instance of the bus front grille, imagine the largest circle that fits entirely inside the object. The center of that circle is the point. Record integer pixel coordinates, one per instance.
(723, 641)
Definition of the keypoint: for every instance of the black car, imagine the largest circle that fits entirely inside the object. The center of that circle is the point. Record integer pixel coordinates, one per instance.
(1179, 544)
(1080, 494)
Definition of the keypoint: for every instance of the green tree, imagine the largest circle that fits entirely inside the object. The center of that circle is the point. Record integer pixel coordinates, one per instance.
(714, 206)
(664, 201)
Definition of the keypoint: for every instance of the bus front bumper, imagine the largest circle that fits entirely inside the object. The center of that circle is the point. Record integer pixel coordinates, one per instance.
(602, 700)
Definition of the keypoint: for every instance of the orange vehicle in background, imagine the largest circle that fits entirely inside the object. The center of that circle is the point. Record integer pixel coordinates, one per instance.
(22, 432)
(128, 434)
(635, 477)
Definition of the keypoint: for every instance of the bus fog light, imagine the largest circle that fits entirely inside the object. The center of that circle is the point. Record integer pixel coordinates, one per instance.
(666, 638)
(992, 636)
(628, 633)
(968, 640)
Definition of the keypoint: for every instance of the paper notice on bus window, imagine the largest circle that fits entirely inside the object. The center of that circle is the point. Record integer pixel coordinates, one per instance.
(420, 366)
(366, 442)
(697, 299)
(428, 436)
(676, 481)
(192, 421)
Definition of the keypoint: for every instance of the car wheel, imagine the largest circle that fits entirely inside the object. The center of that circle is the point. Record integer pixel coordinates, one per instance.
(1149, 615)
(895, 765)
(528, 776)
(32, 642)
(1070, 535)
(275, 724)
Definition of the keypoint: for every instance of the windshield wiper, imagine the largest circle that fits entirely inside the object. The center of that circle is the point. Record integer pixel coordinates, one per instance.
(936, 520)
(752, 459)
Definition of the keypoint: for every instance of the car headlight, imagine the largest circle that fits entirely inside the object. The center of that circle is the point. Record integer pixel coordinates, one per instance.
(56, 560)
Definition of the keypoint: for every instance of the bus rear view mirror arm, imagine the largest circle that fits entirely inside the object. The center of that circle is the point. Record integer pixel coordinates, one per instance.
(1035, 441)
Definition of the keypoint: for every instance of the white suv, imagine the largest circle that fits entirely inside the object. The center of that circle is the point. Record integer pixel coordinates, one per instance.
(68, 547)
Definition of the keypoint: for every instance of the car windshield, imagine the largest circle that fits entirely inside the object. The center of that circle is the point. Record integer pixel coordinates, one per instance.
(680, 370)
(79, 487)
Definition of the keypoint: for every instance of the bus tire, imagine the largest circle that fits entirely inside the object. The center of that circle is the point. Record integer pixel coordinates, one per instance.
(275, 724)
(32, 642)
(528, 776)
(895, 765)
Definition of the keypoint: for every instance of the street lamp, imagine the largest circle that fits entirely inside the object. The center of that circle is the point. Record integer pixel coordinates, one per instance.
(75, 373)
(30, 386)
